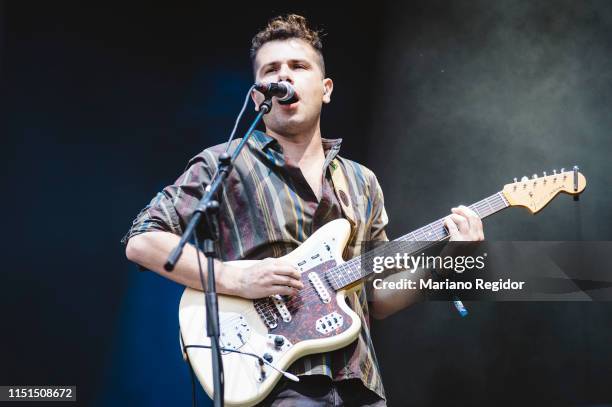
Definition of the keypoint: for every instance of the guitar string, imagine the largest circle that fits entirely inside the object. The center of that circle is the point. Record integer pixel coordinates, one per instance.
(271, 307)
(348, 266)
(480, 207)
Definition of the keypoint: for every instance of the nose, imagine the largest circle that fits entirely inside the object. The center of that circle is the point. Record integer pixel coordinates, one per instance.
(284, 74)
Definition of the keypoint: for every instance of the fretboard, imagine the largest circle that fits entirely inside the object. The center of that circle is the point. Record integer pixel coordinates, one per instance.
(417, 240)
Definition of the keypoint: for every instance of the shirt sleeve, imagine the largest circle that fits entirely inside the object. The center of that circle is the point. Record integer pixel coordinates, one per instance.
(171, 209)
(379, 218)
(377, 233)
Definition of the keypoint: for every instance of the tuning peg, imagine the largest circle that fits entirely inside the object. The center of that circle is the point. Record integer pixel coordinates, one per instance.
(575, 169)
(544, 172)
(555, 172)
(515, 179)
(562, 170)
(534, 176)
(524, 178)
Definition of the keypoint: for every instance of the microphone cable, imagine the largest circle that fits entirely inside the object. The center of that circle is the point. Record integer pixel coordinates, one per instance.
(244, 105)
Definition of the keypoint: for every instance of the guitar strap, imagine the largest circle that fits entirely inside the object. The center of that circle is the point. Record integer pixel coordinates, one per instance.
(341, 189)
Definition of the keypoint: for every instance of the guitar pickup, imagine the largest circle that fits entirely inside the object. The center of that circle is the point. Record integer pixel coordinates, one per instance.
(282, 309)
(319, 287)
(329, 323)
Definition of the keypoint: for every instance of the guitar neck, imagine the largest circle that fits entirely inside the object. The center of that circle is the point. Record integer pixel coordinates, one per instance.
(419, 239)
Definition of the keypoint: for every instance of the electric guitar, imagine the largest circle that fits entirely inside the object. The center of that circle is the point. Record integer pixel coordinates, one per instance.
(260, 339)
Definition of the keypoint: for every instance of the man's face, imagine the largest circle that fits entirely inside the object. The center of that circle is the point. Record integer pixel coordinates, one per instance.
(294, 61)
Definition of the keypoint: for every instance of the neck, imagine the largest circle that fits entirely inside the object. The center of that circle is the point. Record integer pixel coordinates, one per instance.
(352, 271)
(301, 147)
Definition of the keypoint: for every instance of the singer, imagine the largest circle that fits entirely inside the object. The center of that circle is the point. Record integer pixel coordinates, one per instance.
(280, 191)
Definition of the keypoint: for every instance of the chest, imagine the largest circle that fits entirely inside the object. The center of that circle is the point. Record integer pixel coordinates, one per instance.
(313, 174)
(267, 211)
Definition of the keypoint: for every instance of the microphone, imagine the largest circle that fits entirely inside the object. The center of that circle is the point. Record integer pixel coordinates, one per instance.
(283, 91)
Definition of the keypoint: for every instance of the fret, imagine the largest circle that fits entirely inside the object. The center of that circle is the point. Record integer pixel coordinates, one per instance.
(489, 203)
(353, 273)
(442, 229)
(477, 210)
(428, 233)
(492, 204)
(333, 281)
(422, 236)
(482, 210)
(503, 200)
(346, 273)
(434, 232)
(431, 233)
(340, 276)
(486, 203)
(495, 201)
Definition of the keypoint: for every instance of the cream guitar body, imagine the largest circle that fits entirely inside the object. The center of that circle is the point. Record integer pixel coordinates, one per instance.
(320, 321)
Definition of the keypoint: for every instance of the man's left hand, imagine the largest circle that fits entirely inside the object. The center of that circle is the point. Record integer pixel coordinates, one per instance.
(464, 225)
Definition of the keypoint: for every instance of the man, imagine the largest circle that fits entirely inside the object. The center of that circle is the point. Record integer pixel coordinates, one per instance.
(279, 193)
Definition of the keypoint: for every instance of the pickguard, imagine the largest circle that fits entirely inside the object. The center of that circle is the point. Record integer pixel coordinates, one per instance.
(308, 309)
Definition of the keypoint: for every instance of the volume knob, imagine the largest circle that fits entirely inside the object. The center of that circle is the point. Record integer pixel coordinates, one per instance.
(279, 341)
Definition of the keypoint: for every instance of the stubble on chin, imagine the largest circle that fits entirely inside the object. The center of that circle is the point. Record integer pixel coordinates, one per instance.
(292, 123)
(287, 126)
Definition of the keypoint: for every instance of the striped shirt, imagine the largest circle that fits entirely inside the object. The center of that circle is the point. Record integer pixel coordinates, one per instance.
(267, 209)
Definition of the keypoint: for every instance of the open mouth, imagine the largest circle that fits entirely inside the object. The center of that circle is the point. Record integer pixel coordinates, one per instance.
(294, 102)
(294, 99)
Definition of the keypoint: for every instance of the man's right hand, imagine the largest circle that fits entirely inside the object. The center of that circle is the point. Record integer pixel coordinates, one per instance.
(267, 277)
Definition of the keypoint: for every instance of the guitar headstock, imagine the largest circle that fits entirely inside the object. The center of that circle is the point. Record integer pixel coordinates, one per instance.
(536, 192)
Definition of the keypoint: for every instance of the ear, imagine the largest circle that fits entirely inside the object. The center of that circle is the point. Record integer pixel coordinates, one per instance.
(257, 98)
(328, 88)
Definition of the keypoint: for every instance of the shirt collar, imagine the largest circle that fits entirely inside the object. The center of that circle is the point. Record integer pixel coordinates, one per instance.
(331, 146)
(262, 141)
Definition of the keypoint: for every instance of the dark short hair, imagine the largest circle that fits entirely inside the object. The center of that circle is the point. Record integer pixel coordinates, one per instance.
(287, 27)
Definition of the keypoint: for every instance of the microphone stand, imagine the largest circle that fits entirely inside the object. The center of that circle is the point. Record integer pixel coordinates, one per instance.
(209, 207)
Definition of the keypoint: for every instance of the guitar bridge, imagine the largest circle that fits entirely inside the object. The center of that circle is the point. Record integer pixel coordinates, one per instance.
(266, 313)
(235, 331)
